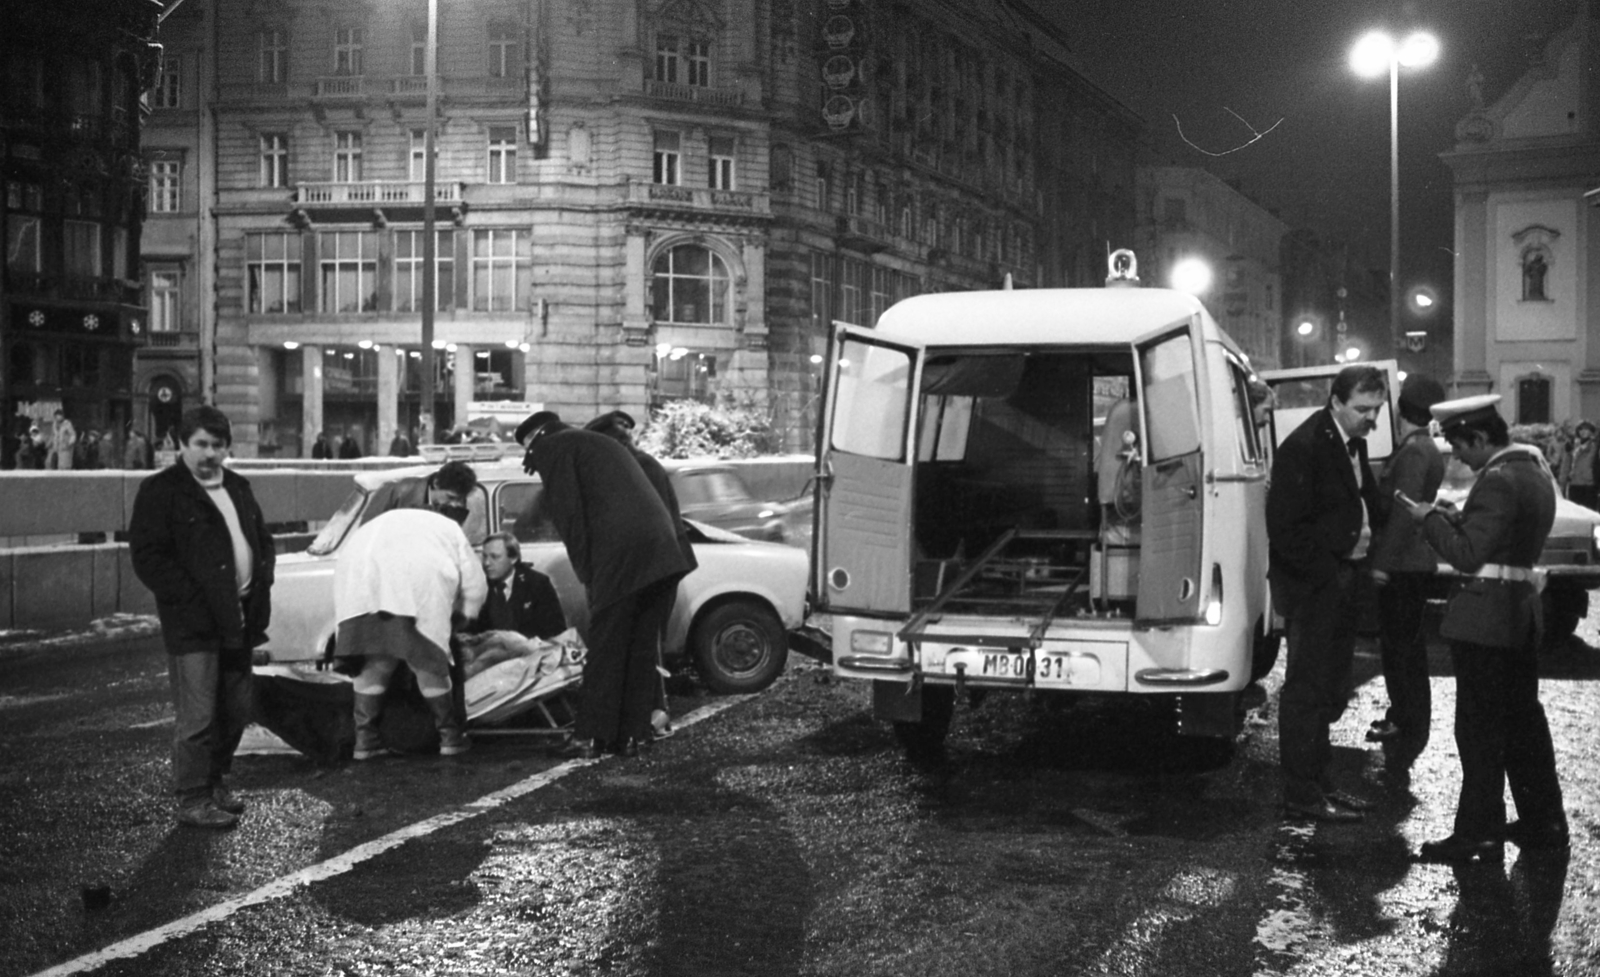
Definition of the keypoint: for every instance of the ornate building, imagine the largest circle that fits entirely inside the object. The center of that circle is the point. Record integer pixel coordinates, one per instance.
(1527, 268)
(637, 200)
(70, 309)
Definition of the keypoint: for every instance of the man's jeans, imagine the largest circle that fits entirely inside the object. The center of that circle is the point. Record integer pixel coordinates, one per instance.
(213, 706)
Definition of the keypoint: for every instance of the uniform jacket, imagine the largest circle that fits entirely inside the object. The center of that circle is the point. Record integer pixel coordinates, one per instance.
(534, 609)
(662, 483)
(179, 545)
(1314, 509)
(1506, 519)
(410, 563)
(614, 525)
(1416, 469)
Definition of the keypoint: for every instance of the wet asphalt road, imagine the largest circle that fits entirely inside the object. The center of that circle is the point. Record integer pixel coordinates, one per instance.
(783, 835)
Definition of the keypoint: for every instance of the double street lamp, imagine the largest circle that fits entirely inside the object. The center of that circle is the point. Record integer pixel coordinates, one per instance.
(1373, 54)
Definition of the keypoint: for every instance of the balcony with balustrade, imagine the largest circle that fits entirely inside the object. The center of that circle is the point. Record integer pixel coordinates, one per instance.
(398, 200)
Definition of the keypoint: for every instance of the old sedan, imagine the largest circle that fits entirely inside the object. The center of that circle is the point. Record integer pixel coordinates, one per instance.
(731, 619)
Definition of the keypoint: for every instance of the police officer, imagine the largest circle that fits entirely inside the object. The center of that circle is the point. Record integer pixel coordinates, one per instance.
(1492, 624)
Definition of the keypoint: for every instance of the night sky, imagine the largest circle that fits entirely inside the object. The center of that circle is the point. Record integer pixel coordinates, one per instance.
(1326, 165)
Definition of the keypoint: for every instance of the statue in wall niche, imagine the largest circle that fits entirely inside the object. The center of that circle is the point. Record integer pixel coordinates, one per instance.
(1475, 89)
(1534, 270)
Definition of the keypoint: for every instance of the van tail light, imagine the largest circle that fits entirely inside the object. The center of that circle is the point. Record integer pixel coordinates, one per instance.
(1214, 603)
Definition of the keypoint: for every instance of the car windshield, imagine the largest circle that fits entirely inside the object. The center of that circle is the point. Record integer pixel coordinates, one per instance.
(334, 532)
(704, 488)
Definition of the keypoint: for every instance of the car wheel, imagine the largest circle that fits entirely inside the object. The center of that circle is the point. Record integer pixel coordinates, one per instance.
(739, 647)
(923, 739)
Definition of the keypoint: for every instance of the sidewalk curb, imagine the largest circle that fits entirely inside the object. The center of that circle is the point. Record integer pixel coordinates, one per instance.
(117, 627)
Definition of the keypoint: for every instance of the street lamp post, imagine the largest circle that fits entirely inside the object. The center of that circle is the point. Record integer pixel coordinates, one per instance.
(430, 65)
(1373, 54)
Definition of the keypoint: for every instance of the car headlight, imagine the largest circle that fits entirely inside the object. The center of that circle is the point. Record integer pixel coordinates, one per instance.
(1594, 533)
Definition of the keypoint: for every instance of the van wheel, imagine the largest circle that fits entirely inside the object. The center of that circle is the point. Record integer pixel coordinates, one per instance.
(923, 739)
(1264, 653)
(739, 647)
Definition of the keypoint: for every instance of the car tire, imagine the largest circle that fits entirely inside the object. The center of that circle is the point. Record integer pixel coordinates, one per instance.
(923, 739)
(739, 647)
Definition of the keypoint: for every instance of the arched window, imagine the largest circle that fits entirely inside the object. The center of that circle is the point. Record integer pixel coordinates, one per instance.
(691, 286)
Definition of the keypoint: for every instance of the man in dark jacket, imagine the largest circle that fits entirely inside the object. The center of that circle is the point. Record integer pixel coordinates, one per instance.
(624, 550)
(1493, 624)
(1321, 510)
(618, 426)
(1402, 565)
(198, 541)
(522, 604)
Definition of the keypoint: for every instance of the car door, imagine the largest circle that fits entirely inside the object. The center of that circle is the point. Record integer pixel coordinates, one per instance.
(863, 558)
(1300, 392)
(1168, 366)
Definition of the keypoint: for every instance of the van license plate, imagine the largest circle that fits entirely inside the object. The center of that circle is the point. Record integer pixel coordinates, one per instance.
(1007, 664)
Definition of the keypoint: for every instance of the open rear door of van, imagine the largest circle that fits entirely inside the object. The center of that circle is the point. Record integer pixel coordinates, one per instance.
(863, 557)
(1172, 484)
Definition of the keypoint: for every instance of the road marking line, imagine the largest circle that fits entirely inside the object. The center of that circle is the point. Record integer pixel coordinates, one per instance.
(140, 943)
(165, 720)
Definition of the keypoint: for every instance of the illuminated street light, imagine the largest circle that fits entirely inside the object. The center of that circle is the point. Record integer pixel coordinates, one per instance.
(1191, 275)
(1371, 56)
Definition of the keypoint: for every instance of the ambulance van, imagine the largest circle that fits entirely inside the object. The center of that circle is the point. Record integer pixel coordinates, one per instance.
(1055, 490)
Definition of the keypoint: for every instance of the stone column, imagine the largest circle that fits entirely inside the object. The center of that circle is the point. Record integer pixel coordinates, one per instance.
(310, 397)
(388, 398)
(466, 377)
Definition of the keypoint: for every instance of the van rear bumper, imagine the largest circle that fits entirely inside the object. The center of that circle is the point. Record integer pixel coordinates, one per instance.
(1181, 677)
(876, 665)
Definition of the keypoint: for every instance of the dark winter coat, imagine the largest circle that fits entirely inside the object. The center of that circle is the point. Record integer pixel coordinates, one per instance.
(534, 609)
(617, 531)
(662, 483)
(181, 550)
(1314, 509)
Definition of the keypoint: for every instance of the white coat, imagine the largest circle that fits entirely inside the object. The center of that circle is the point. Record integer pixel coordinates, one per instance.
(412, 563)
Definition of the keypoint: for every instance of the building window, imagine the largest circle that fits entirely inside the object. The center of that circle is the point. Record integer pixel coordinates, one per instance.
(691, 286)
(824, 190)
(418, 158)
(502, 154)
(722, 163)
(666, 58)
(346, 157)
(274, 160)
(505, 52)
(169, 86)
(419, 49)
(81, 241)
(697, 63)
(349, 261)
(347, 47)
(667, 157)
(853, 281)
(821, 290)
(502, 262)
(272, 264)
(272, 66)
(164, 298)
(408, 268)
(688, 376)
(166, 186)
(1533, 400)
(22, 244)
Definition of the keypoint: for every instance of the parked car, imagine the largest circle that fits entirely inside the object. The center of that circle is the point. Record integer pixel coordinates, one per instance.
(717, 494)
(731, 619)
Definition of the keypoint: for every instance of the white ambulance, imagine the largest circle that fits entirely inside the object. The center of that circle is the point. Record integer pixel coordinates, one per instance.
(1058, 490)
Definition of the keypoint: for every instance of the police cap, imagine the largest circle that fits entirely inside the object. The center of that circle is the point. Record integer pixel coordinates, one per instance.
(534, 423)
(1452, 414)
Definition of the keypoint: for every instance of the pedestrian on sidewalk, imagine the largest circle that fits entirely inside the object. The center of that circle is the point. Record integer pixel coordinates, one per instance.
(198, 540)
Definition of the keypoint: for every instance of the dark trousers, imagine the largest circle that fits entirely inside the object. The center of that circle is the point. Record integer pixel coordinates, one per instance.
(1502, 735)
(1404, 646)
(1322, 637)
(211, 696)
(620, 681)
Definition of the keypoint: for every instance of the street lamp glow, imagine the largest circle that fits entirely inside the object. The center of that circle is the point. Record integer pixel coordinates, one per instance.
(1352, 354)
(1372, 54)
(1191, 275)
(1306, 327)
(1418, 51)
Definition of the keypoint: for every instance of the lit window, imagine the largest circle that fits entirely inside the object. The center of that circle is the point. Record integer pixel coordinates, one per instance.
(22, 244)
(346, 157)
(349, 261)
(169, 86)
(502, 265)
(722, 163)
(505, 52)
(273, 63)
(166, 186)
(274, 160)
(503, 154)
(667, 158)
(272, 264)
(691, 285)
(408, 268)
(347, 49)
(164, 308)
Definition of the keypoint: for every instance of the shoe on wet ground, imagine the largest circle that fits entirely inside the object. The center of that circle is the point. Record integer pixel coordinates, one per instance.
(454, 742)
(226, 800)
(1349, 801)
(1541, 837)
(574, 749)
(1458, 849)
(206, 815)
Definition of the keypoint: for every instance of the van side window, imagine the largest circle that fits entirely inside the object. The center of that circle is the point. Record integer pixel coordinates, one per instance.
(1170, 405)
(945, 424)
(1243, 413)
(873, 400)
(520, 513)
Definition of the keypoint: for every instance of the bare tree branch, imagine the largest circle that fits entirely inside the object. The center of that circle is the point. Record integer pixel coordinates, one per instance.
(1255, 134)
